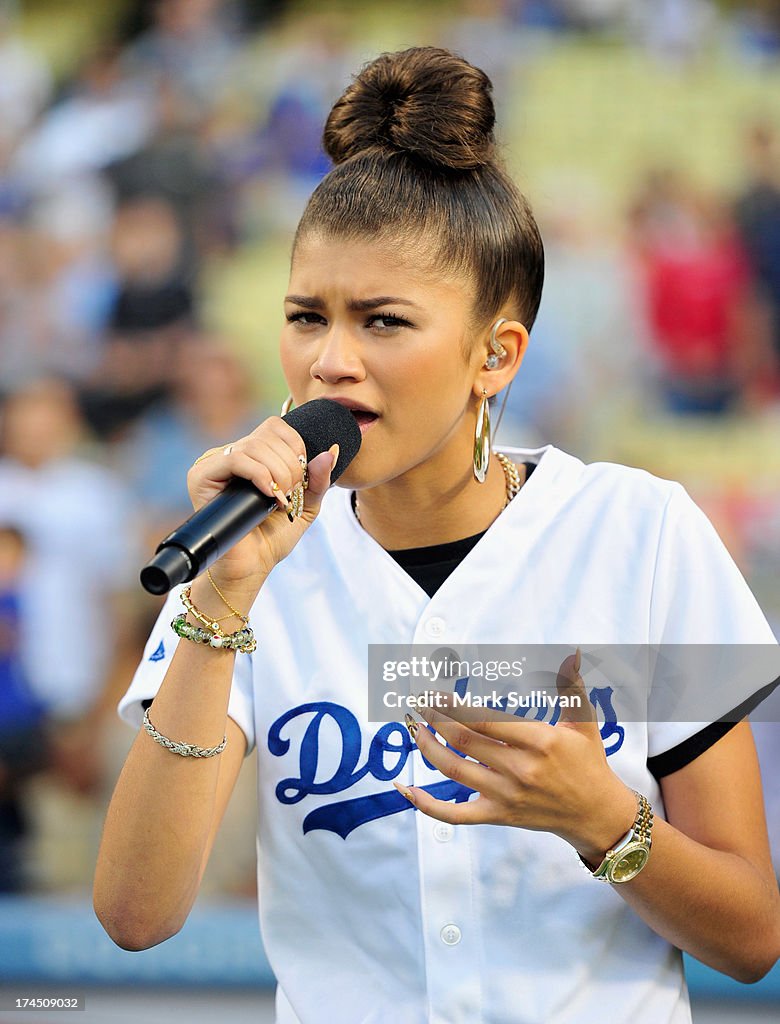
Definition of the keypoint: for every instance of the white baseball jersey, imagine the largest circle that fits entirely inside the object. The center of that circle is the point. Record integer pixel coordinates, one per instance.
(371, 911)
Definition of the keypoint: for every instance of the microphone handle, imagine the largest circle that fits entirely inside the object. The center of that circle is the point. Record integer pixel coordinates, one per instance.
(228, 517)
(192, 547)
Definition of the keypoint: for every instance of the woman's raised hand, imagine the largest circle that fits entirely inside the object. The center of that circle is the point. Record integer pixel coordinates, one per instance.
(273, 458)
(528, 774)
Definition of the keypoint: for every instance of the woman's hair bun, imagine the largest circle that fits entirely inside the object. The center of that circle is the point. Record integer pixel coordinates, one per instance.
(425, 102)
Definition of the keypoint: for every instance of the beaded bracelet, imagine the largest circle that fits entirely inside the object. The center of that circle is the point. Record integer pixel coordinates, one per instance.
(243, 640)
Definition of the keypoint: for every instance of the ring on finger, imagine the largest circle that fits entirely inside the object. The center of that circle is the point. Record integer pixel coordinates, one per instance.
(295, 509)
(227, 449)
(305, 468)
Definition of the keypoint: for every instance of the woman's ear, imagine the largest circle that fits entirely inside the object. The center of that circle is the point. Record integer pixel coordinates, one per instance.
(506, 346)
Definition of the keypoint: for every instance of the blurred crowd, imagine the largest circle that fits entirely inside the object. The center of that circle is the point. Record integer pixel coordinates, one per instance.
(193, 133)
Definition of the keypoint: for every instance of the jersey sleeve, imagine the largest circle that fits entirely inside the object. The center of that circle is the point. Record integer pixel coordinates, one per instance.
(155, 663)
(716, 655)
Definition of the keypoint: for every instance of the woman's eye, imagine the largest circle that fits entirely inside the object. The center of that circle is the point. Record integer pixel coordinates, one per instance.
(385, 321)
(305, 318)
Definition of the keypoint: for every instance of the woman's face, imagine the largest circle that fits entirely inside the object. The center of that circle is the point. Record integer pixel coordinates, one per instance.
(373, 325)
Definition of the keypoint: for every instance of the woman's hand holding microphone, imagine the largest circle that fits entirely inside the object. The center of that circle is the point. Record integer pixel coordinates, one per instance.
(273, 458)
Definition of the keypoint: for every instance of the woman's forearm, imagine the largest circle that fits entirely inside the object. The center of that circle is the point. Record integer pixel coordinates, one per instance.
(165, 807)
(713, 904)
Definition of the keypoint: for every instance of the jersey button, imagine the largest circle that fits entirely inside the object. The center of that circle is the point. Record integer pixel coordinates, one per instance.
(443, 831)
(435, 626)
(450, 934)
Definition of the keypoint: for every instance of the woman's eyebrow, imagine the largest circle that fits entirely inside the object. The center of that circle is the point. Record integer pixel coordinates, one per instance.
(362, 305)
(353, 305)
(307, 301)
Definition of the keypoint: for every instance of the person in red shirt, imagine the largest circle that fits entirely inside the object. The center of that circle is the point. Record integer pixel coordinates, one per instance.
(697, 296)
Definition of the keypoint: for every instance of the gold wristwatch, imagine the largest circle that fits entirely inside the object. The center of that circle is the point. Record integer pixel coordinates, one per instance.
(628, 856)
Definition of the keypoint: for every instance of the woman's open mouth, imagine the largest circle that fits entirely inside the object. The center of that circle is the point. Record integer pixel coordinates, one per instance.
(364, 418)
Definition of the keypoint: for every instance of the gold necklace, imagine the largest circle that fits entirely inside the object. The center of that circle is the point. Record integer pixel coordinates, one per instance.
(511, 479)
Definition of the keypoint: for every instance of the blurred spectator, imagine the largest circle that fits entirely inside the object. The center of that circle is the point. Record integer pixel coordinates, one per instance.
(586, 339)
(484, 32)
(25, 81)
(593, 15)
(758, 220)
(188, 42)
(277, 162)
(55, 283)
(697, 296)
(149, 259)
(176, 167)
(105, 117)
(79, 523)
(211, 404)
(547, 15)
(74, 284)
(675, 31)
(15, 354)
(13, 192)
(152, 311)
(23, 745)
(757, 24)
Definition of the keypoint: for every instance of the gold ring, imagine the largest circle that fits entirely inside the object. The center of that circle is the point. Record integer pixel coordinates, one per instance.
(295, 510)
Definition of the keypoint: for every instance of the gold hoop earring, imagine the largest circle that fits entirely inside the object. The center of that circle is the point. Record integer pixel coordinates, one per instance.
(482, 439)
(497, 350)
(287, 404)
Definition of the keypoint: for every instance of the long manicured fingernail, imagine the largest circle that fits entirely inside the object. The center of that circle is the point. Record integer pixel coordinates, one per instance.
(577, 660)
(334, 451)
(411, 725)
(427, 715)
(404, 792)
(279, 493)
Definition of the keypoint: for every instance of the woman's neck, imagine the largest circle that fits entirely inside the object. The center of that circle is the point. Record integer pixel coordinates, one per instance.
(428, 507)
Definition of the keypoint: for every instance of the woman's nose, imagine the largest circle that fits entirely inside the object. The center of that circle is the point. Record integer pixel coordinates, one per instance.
(338, 358)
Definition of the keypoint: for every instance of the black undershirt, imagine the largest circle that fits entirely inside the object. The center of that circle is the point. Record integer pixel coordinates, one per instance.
(429, 567)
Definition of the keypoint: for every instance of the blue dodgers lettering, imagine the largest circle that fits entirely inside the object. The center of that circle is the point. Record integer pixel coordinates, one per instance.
(291, 790)
(388, 751)
(381, 744)
(601, 698)
(344, 816)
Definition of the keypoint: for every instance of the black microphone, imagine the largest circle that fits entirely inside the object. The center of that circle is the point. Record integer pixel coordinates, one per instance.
(229, 516)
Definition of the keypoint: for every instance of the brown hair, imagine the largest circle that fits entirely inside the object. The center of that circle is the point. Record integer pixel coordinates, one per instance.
(412, 140)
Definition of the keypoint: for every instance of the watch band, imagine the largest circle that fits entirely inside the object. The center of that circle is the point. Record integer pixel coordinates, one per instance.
(630, 854)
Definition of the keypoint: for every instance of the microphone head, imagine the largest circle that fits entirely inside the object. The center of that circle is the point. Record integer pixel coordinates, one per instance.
(322, 423)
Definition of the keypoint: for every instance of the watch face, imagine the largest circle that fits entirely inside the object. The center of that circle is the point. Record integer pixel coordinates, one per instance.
(629, 863)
